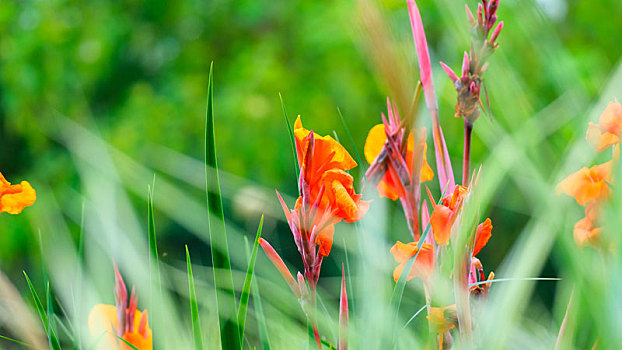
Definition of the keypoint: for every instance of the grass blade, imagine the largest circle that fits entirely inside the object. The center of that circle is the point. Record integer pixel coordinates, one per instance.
(292, 138)
(14, 340)
(223, 279)
(194, 307)
(53, 340)
(247, 283)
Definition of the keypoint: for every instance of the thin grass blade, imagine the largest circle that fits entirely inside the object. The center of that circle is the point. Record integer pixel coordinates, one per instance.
(14, 341)
(247, 283)
(194, 307)
(223, 279)
(53, 340)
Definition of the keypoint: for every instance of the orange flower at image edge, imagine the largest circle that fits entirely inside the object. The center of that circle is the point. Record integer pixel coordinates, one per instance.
(14, 198)
(121, 321)
(607, 133)
(103, 319)
(389, 185)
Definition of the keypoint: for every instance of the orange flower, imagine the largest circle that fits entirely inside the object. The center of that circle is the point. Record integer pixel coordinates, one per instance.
(442, 319)
(607, 133)
(482, 235)
(587, 185)
(423, 264)
(103, 318)
(122, 320)
(390, 186)
(14, 198)
(444, 215)
(324, 174)
(585, 230)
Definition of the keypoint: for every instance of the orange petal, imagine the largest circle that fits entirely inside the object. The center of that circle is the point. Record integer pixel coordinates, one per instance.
(141, 340)
(611, 118)
(598, 139)
(482, 235)
(14, 198)
(103, 319)
(586, 184)
(325, 240)
(327, 149)
(423, 264)
(441, 220)
(374, 142)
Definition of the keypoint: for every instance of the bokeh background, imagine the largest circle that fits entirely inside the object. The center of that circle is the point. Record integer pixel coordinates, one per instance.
(131, 77)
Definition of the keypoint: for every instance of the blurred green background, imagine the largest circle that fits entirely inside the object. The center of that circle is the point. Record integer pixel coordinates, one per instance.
(135, 74)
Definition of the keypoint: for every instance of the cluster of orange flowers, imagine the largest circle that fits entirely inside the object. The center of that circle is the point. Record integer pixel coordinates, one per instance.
(590, 187)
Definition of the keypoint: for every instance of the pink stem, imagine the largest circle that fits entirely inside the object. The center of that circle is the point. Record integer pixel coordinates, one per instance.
(466, 160)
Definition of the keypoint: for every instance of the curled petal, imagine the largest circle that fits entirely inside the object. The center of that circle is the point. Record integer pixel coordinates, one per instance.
(423, 264)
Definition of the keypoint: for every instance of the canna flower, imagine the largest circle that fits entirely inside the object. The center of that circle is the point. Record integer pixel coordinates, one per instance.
(121, 321)
(423, 264)
(607, 133)
(14, 198)
(445, 214)
(588, 185)
(585, 230)
(323, 178)
(390, 186)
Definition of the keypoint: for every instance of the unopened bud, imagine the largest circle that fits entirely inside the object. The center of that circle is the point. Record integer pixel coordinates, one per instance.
(449, 72)
(465, 65)
(469, 15)
(495, 33)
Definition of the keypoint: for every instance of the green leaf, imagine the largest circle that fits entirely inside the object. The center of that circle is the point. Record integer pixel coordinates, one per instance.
(53, 340)
(223, 279)
(194, 307)
(247, 283)
(154, 265)
(292, 138)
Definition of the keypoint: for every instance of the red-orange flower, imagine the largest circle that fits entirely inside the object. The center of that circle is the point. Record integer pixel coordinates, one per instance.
(607, 133)
(14, 198)
(588, 185)
(444, 215)
(585, 230)
(390, 186)
(122, 320)
(423, 264)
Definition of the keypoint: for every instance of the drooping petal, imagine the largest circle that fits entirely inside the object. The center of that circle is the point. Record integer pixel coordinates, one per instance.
(325, 240)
